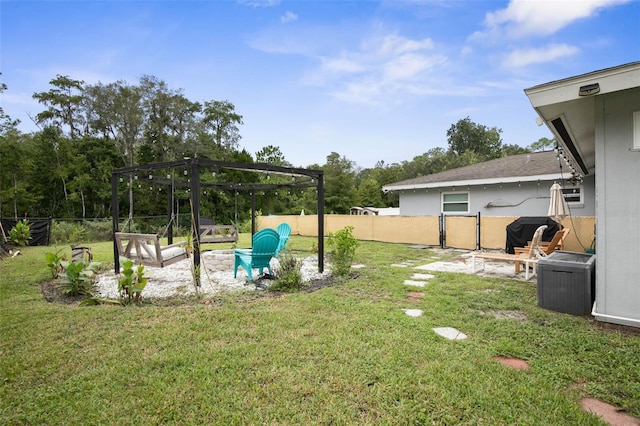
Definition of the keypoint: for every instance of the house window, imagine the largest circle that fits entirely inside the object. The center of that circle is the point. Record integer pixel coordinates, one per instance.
(455, 202)
(574, 195)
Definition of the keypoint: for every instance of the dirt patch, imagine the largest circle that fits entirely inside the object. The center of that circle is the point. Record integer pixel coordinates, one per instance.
(515, 363)
(415, 296)
(512, 315)
(608, 413)
(617, 328)
(52, 293)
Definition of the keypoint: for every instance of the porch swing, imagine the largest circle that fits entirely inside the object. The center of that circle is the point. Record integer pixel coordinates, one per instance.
(145, 249)
(209, 232)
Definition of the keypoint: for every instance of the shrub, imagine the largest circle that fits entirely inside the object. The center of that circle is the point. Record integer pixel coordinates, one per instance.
(67, 232)
(20, 234)
(78, 278)
(289, 277)
(132, 282)
(98, 230)
(343, 249)
(54, 262)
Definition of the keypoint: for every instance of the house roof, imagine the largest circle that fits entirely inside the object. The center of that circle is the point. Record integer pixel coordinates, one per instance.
(567, 107)
(534, 166)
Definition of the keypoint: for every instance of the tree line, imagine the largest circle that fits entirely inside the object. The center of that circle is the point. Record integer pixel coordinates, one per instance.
(63, 170)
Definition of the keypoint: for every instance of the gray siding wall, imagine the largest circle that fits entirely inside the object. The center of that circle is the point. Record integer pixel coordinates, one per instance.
(618, 206)
(525, 199)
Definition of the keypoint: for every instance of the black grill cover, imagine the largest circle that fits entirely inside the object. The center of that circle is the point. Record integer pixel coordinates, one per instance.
(40, 230)
(521, 230)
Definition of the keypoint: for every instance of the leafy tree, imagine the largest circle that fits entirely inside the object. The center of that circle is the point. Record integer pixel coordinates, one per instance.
(384, 174)
(15, 162)
(116, 113)
(466, 135)
(157, 101)
(514, 149)
(271, 155)
(222, 119)
(63, 103)
(369, 193)
(339, 194)
(6, 123)
(542, 144)
(95, 158)
(49, 175)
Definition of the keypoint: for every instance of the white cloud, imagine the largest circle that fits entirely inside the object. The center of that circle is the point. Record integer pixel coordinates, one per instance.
(524, 18)
(522, 57)
(383, 68)
(341, 65)
(288, 17)
(393, 44)
(407, 66)
(259, 3)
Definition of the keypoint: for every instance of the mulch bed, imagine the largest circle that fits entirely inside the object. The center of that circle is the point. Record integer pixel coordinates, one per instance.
(51, 292)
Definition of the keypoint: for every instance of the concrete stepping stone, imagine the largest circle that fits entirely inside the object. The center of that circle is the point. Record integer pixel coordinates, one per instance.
(399, 265)
(422, 276)
(358, 266)
(450, 333)
(413, 312)
(415, 283)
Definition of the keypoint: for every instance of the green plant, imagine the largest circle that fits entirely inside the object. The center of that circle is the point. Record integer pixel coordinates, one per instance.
(54, 262)
(132, 282)
(20, 234)
(289, 277)
(188, 239)
(195, 273)
(343, 249)
(77, 278)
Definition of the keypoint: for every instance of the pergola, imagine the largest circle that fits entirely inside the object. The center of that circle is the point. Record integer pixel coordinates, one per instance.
(189, 176)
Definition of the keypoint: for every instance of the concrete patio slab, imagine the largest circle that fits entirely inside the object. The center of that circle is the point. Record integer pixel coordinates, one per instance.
(491, 270)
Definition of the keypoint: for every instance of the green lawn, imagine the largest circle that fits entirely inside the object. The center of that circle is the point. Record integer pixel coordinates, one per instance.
(346, 354)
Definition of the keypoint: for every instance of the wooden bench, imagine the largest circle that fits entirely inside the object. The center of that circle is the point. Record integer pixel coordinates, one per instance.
(218, 234)
(146, 249)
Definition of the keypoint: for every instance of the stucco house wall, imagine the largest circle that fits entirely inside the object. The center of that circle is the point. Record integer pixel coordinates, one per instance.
(618, 205)
(593, 116)
(509, 199)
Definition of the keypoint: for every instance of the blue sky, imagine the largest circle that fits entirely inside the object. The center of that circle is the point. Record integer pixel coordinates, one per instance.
(370, 80)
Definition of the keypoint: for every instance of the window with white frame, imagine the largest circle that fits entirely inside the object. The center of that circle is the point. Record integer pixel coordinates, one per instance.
(574, 195)
(455, 202)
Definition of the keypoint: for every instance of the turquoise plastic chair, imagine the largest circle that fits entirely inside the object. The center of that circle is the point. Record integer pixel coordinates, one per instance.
(284, 230)
(263, 248)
